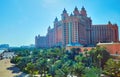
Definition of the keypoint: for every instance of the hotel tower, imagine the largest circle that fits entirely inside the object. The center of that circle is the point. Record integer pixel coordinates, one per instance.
(77, 29)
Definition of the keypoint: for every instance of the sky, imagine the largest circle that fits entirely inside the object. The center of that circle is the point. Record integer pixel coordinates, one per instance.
(22, 20)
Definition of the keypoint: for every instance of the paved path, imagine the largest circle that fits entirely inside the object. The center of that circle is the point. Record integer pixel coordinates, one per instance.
(8, 69)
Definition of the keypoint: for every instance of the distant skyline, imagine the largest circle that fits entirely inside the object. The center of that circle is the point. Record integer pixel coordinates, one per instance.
(22, 20)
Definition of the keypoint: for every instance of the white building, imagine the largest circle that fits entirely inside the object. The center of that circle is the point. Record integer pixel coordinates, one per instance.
(9, 55)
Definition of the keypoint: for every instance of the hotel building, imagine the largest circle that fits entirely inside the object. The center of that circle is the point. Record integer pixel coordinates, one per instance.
(77, 29)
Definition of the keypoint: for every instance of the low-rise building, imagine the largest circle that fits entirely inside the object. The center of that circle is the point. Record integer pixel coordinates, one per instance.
(112, 48)
(6, 55)
(82, 49)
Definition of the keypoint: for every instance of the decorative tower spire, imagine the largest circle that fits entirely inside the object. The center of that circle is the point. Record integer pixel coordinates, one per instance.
(76, 8)
(36, 37)
(109, 22)
(64, 11)
(83, 11)
(82, 8)
(56, 20)
(71, 14)
(49, 28)
(76, 12)
(64, 15)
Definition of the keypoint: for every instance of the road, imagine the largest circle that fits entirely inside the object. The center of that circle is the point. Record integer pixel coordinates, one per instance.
(8, 69)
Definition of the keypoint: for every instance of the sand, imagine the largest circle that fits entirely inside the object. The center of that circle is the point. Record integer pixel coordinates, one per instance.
(8, 69)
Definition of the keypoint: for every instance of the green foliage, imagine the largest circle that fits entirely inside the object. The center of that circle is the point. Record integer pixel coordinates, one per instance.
(30, 67)
(112, 68)
(91, 72)
(79, 58)
(79, 69)
(56, 62)
(16, 59)
(99, 52)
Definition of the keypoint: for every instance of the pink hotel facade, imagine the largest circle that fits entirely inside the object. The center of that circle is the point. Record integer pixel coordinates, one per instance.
(76, 29)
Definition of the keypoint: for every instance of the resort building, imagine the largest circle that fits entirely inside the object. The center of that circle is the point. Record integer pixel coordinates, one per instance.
(112, 48)
(77, 29)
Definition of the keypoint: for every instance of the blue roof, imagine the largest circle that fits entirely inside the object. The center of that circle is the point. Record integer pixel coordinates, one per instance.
(74, 44)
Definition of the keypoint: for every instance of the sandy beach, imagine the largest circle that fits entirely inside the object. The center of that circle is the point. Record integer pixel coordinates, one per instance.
(8, 69)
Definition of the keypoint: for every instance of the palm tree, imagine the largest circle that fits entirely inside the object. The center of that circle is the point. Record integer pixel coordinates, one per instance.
(99, 59)
(30, 68)
(86, 52)
(79, 69)
(79, 58)
(39, 66)
(99, 51)
(91, 72)
(52, 70)
(112, 68)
